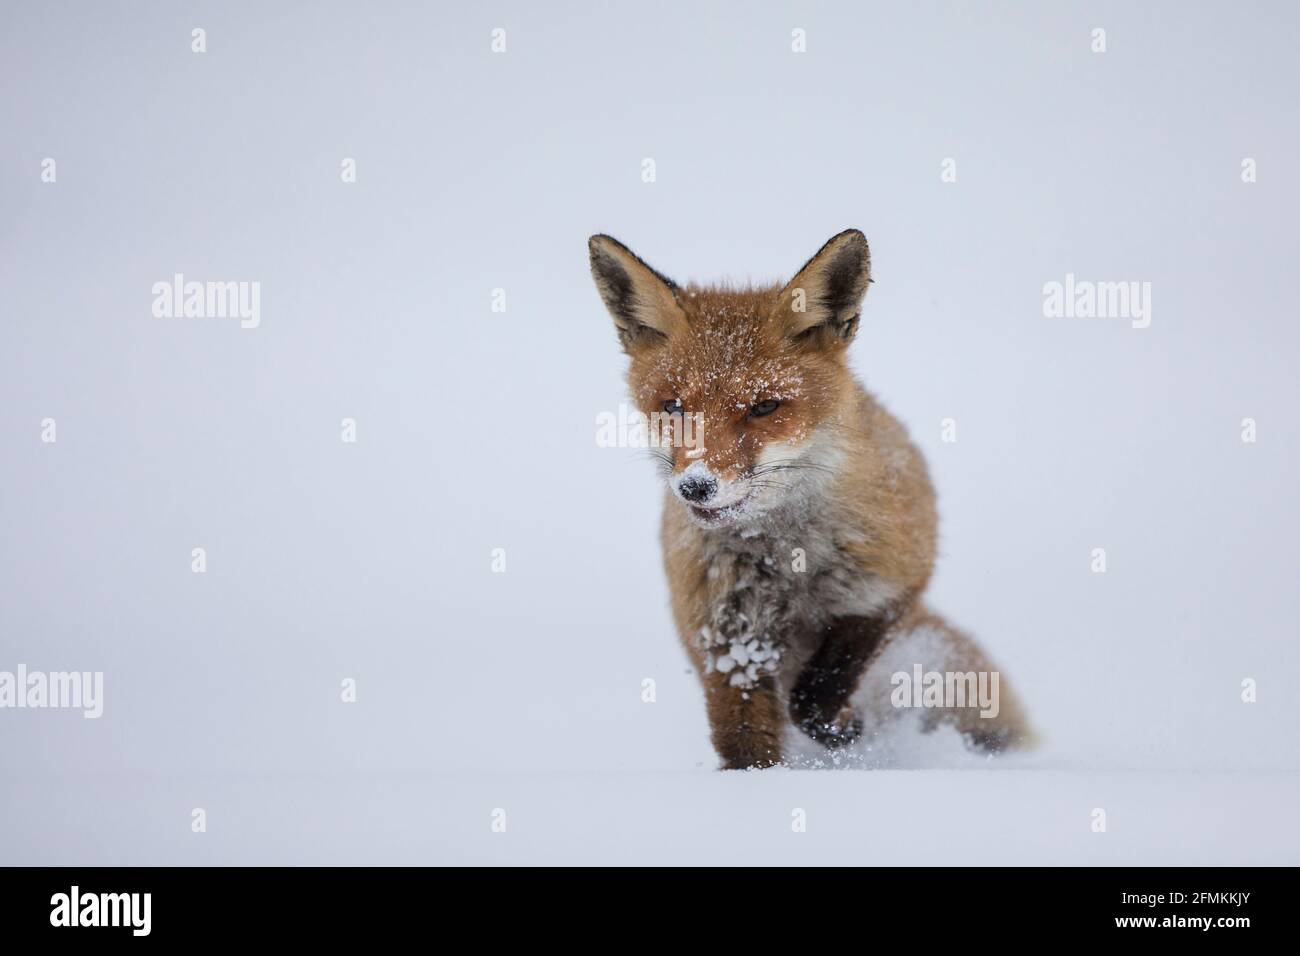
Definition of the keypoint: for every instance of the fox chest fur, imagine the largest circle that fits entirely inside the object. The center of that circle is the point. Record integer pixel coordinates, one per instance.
(751, 601)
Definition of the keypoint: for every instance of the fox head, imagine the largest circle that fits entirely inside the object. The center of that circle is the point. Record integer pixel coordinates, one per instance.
(743, 388)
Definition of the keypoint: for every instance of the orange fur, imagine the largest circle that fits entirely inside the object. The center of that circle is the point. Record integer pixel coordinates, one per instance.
(829, 472)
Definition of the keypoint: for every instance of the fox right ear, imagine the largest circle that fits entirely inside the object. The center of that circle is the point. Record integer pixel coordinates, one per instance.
(642, 302)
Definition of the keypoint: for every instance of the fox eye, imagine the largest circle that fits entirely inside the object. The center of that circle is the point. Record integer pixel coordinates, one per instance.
(759, 409)
(673, 406)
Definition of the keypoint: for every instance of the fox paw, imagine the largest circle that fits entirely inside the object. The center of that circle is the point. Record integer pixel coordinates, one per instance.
(747, 748)
(751, 755)
(839, 731)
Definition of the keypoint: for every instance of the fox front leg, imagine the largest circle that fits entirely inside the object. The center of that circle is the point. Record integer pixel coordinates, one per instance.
(819, 701)
(746, 722)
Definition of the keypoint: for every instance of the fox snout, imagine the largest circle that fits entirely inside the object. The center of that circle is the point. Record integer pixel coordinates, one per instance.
(710, 498)
(696, 488)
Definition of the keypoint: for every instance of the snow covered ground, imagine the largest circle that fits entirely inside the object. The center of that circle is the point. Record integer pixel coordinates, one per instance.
(929, 801)
(481, 571)
(891, 818)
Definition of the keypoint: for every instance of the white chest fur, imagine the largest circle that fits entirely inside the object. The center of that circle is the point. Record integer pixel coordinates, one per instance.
(771, 592)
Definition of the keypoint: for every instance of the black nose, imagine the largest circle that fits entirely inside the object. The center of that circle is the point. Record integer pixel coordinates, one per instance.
(697, 488)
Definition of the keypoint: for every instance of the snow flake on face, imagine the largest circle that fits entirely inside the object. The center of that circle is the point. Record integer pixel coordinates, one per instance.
(725, 362)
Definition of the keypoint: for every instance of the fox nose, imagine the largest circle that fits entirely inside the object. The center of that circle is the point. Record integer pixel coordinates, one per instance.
(697, 488)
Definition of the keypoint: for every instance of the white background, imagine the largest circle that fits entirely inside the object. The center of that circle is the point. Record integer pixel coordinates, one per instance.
(476, 430)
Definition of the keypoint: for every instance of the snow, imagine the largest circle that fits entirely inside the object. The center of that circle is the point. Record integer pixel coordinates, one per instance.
(746, 657)
(882, 818)
(523, 690)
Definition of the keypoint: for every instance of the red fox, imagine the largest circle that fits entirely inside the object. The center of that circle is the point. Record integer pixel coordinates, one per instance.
(799, 527)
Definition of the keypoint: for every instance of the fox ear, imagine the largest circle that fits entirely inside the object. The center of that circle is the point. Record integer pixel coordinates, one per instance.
(821, 304)
(642, 302)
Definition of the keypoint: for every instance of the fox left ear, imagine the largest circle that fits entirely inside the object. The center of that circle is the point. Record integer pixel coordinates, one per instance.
(822, 303)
